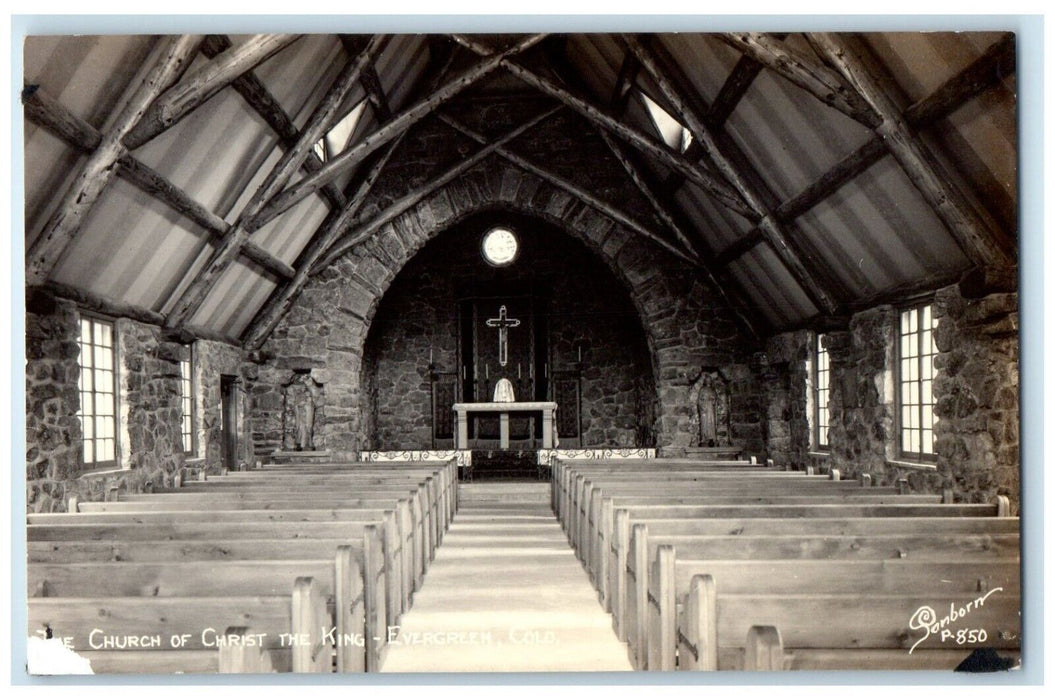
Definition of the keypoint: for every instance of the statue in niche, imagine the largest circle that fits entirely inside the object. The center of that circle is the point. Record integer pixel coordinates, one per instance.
(300, 398)
(504, 391)
(712, 409)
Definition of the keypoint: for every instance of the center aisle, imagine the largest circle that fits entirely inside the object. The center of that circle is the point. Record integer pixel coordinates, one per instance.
(505, 593)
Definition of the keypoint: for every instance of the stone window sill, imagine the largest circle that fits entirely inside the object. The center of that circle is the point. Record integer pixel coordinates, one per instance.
(918, 466)
(819, 454)
(194, 461)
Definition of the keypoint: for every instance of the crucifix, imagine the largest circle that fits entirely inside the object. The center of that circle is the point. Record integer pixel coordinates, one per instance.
(503, 325)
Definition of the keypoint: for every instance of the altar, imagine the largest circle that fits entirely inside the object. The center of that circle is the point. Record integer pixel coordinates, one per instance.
(504, 408)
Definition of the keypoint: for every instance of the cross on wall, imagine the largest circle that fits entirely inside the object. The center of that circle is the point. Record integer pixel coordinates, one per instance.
(503, 324)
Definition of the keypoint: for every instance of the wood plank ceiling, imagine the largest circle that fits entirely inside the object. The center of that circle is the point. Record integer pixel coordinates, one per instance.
(180, 180)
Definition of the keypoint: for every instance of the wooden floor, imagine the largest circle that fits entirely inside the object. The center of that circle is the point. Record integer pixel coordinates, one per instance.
(505, 593)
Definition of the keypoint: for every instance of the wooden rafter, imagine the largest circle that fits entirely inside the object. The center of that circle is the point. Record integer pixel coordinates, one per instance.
(723, 286)
(43, 110)
(600, 116)
(733, 89)
(802, 70)
(740, 179)
(376, 92)
(321, 119)
(335, 224)
(591, 200)
(980, 238)
(173, 55)
(330, 229)
(260, 99)
(624, 84)
(183, 98)
(364, 230)
(988, 69)
(354, 155)
(995, 63)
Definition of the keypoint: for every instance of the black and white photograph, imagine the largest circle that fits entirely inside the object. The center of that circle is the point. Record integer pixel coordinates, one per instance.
(522, 351)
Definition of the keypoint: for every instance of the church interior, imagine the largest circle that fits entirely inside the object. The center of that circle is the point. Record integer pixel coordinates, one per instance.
(582, 338)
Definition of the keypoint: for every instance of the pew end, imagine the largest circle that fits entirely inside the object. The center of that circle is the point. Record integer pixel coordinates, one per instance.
(244, 658)
(764, 650)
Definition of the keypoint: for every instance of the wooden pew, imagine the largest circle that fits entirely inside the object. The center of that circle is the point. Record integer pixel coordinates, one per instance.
(384, 548)
(431, 511)
(841, 630)
(973, 534)
(993, 559)
(124, 635)
(590, 523)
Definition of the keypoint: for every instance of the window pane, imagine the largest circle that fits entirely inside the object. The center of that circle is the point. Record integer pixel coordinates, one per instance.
(96, 382)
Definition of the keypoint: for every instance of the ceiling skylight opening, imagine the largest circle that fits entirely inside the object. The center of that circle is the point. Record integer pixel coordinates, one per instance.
(673, 132)
(338, 137)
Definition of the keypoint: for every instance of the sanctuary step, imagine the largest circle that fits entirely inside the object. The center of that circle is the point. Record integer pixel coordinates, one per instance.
(503, 493)
(505, 593)
(505, 465)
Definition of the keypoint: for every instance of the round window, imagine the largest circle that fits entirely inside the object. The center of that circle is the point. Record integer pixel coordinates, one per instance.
(500, 247)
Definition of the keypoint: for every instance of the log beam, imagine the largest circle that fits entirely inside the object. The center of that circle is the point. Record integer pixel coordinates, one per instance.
(600, 117)
(45, 111)
(773, 230)
(579, 193)
(376, 92)
(180, 100)
(173, 55)
(813, 77)
(260, 99)
(114, 308)
(334, 225)
(981, 240)
(624, 84)
(733, 90)
(995, 64)
(991, 67)
(721, 287)
(365, 230)
(353, 155)
(290, 162)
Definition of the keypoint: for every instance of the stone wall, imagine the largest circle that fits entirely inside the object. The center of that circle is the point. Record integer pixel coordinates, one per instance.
(53, 432)
(787, 387)
(861, 396)
(977, 395)
(150, 410)
(149, 400)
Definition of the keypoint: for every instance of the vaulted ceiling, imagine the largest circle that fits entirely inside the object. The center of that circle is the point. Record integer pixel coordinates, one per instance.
(195, 182)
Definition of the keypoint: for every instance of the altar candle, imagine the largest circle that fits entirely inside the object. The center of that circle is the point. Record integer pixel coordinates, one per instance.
(430, 354)
(580, 353)
(518, 370)
(487, 371)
